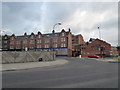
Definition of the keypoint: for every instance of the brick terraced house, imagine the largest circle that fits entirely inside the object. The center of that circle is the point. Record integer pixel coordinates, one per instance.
(96, 47)
(60, 42)
(64, 43)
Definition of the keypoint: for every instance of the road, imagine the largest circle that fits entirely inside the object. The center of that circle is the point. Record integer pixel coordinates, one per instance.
(78, 73)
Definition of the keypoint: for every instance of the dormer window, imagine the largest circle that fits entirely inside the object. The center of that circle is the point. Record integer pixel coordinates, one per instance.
(5, 37)
(12, 38)
(63, 34)
(38, 36)
(32, 36)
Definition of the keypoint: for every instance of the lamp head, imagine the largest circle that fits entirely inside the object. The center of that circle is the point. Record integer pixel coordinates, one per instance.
(59, 23)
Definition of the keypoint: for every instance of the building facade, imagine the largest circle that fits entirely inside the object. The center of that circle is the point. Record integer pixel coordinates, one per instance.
(64, 43)
(60, 42)
(96, 47)
(114, 51)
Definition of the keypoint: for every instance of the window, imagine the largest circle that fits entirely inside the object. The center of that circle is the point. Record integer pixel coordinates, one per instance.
(38, 36)
(95, 47)
(39, 46)
(38, 41)
(5, 46)
(55, 45)
(5, 37)
(55, 40)
(17, 47)
(46, 46)
(32, 47)
(12, 42)
(5, 42)
(63, 39)
(12, 38)
(32, 36)
(18, 42)
(32, 41)
(63, 45)
(47, 35)
(46, 41)
(11, 47)
(25, 42)
(56, 35)
(63, 34)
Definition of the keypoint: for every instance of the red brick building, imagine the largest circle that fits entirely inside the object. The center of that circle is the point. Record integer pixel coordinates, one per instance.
(114, 51)
(63, 43)
(96, 47)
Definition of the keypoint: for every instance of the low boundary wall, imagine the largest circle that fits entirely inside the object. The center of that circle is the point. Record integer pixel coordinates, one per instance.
(26, 56)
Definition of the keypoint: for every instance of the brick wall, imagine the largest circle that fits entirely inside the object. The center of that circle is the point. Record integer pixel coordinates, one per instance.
(93, 48)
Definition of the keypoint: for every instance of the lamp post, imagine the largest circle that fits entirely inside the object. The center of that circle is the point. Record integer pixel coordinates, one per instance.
(99, 33)
(56, 25)
(53, 37)
(100, 43)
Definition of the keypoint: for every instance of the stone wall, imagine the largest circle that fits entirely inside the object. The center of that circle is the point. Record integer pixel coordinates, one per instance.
(29, 56)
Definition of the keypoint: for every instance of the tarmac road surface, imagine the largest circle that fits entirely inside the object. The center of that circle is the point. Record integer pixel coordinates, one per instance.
(78, 73)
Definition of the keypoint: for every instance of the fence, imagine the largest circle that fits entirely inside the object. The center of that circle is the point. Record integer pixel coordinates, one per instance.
(26, 56)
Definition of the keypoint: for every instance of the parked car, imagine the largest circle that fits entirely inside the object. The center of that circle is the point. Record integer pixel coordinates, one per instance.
(94, 56)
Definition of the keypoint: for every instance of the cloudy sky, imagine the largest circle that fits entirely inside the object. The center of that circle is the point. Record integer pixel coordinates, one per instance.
(82, 17)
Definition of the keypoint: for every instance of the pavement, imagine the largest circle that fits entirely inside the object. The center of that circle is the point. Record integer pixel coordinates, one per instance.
(105, 59)
(108, 59)
(30, 65)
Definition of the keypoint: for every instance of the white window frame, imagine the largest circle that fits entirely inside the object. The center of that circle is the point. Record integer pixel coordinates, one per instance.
(63, 45)
(32, 47)
(11, 42)
(63, 39)
(38, 41)
(17, 42)
(5, 37)
(56, 45)
(32, 41)
(55, 39)
(12, 38)
(32, 36)
(46, 40)
(39, 46)
(63, 34)
(24, 41)
(39, 36)
(46, 46)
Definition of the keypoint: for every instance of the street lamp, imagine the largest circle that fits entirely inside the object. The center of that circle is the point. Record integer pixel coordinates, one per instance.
(99, 33)
(100, 43)
(53, 37)
(55, 25)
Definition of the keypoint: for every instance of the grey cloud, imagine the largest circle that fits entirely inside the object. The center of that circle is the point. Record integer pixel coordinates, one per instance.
(21, 17)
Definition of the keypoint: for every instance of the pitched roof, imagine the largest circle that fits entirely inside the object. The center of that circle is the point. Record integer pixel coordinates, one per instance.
(22, 37)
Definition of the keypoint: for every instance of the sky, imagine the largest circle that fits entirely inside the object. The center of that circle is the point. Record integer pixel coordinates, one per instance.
(81, 17)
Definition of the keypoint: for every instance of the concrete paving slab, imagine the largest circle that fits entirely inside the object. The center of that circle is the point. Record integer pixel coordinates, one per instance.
(22, 66)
